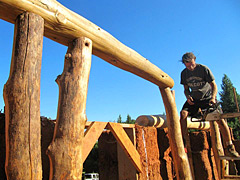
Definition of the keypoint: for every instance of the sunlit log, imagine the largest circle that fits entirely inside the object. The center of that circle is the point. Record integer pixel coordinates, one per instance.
(63, 25)
(159, 121)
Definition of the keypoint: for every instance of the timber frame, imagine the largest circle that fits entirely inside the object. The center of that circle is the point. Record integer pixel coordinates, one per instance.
(83, 38)
(63, 26)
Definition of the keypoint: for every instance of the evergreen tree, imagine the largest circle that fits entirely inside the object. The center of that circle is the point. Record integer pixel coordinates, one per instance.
(91, 163)
(228, 104)
(119, 120)
(227, 96)
(130, 120)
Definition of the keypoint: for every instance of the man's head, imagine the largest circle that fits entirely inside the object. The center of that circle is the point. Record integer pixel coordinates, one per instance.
(188, 59)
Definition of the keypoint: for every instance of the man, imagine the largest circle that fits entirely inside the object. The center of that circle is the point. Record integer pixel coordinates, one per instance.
(200, 90)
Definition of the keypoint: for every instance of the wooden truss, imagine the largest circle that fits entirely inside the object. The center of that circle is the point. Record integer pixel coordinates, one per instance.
(94, 131)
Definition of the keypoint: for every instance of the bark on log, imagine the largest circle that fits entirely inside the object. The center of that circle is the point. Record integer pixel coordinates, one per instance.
(63, 26)
(65, 151)
(175, 136)
(22, 100)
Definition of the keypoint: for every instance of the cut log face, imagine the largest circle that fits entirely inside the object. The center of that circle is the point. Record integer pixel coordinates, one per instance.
(65, 151)
(22, 100)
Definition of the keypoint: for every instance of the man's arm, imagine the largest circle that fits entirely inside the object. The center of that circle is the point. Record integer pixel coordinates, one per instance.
(214, 91)
(187, 94)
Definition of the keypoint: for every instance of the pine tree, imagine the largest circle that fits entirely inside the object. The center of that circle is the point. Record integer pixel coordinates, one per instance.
(91, 163)
(119, 120)
(130, 120)
(227, 96)
(228, 104)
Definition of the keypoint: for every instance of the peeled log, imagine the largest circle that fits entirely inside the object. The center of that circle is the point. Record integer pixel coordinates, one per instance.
(217, 146)
(65, 151)
(158, 121)
(22, 101)
(63, 26)
(180, 158)
(151, 120)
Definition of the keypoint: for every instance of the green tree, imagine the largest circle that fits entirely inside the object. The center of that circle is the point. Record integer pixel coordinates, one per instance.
(119, 120)
(130, 120)
(91, 163)
(228, 104)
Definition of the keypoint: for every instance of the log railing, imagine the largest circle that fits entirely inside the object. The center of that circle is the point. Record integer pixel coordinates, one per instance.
(65, 27)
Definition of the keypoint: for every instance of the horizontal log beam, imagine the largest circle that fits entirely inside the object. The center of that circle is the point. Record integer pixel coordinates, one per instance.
(63, 26)
(159, 122)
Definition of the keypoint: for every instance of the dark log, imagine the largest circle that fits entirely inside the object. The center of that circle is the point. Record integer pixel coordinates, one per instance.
(22, 100)
(65, 151)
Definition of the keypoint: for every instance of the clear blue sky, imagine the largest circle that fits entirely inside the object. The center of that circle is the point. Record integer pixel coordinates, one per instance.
(161, 31)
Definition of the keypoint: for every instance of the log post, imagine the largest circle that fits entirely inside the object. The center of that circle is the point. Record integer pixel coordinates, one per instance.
(65, 151)
(22, 100)
(181, 163)
(217, 146)
(189, 150)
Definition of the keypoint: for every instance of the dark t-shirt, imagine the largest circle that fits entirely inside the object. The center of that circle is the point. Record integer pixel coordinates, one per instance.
(198, 81)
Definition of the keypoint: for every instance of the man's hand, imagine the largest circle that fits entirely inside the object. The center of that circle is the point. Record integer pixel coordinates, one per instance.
(212, 101)
(187, 94)
(190, 100)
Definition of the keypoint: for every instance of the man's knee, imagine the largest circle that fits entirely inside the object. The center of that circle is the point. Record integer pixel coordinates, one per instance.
(184, 114)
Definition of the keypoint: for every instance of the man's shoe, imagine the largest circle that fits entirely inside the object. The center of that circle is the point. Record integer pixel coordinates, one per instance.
(230, 151)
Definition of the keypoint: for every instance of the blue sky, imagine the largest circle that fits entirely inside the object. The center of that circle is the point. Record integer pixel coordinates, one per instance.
(161, 31)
